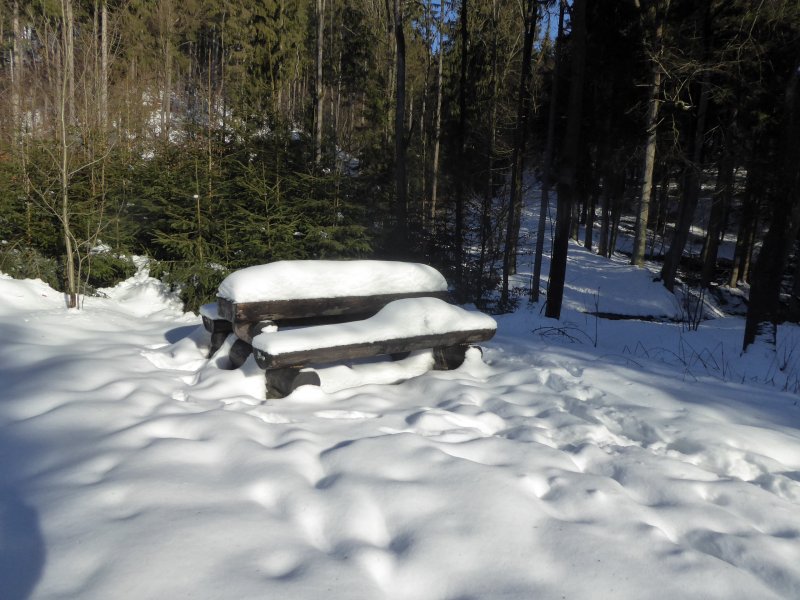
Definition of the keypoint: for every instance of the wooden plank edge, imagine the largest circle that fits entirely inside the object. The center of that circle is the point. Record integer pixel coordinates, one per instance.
(363, 350)
(310, 308)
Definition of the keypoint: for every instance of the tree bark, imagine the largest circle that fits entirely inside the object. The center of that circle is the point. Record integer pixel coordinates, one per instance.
(690, 197)
(166, 47)
(567, 177)
(462, 152)
(691, 177)
(104, 64)
(486, 206)
(437, 132)
(722, 196)
(651, 123)
(518, 152)
(16, 77)
(764, 308)
(747, 224)
(591, 207)
(400, 208)
(64, 173)
(544, 204)
(318, 89)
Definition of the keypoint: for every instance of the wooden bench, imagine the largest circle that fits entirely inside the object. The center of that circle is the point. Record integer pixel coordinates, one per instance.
(371, 308)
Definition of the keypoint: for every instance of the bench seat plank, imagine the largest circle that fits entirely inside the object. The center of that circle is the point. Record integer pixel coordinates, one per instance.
(401, 326)
(309, 308)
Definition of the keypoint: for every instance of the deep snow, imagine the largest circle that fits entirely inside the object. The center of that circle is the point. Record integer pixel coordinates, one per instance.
(133, 467)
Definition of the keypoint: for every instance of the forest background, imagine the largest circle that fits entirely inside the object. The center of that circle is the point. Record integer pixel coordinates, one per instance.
(211, 135)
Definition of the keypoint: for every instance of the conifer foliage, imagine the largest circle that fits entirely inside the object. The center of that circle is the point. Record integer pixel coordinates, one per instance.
(215, 134)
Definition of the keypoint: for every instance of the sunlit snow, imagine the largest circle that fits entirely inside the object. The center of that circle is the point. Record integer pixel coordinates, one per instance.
(134, 467)
(300, 279)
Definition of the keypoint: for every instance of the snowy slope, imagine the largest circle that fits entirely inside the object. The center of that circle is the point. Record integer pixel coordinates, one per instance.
(132, 467)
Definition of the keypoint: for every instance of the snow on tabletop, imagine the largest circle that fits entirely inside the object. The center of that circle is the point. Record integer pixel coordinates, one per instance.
(409, 317)
(306, 279)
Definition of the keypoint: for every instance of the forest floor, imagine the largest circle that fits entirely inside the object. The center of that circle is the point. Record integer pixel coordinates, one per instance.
(586, 458)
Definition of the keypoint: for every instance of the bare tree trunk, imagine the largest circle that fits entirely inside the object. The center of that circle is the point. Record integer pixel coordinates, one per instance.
(617, 201)
(591, 207)
(518, 153)
(719, 205)
(661, 208)
(104, 64)
(746, 223)
(640, 240)
(437, 133)
(567, 177)
(166, 48)
(319, 92)
(391, 66)
(486, 205)
(16, 77)
(462, 151)
(691, 178)
(691, 195)
(69, 61)
(400, 208)
(605, 213)
(65, 113)
(764, 308)
(544, 205)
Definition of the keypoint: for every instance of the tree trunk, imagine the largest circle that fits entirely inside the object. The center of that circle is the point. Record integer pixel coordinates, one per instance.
(318, 89)
(518, 153)
(661, 209)
(104, 64)
(69, 61)
(617, 201)
(64, 171)
(400, 208)
(640, 240)
(690, 197)
(166, 46)
(591, 207)
(719, 204)
(764, 308)
(746, 221)
(437, 131)
(605, 215)
(547, 170)
(567, 177)
(16, 77)
(462, 152)
(691, 178)
(486, 206)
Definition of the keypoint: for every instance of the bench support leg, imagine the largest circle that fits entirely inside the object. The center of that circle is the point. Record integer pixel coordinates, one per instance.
(239, 353)
(282, 382)
(219, 330)
(217, 339)
(446, 358)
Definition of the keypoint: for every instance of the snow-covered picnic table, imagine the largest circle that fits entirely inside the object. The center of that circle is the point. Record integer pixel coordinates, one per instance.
(337, 311)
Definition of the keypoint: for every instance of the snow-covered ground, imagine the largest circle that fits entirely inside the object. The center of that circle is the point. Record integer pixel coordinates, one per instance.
(132, 467)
